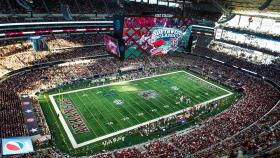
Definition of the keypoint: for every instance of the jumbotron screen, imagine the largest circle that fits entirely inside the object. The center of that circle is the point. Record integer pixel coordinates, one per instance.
(111, 45)
(155, 36)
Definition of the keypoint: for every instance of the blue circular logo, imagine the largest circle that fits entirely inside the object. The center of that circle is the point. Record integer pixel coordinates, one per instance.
(117, 24)
(14, 146)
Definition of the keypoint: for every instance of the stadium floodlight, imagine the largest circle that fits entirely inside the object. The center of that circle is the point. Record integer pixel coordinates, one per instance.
(29, 1)
(184, 1)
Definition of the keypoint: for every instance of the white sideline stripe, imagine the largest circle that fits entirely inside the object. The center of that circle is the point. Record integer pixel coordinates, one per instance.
(116, 83)
(76, 145)
(207, 82)
(64, 124)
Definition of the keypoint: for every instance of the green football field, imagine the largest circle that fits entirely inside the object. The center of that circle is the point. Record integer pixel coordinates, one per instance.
(97, 113)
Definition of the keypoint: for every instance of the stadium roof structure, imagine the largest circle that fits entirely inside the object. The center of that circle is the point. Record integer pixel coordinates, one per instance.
(223, 5)
(170, 3)
(262, 5)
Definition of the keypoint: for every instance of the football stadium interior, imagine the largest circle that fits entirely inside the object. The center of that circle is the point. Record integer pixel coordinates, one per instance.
(139, 78)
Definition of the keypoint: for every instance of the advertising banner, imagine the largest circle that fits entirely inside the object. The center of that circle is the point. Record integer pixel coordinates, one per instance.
(29, 115)
(17, 145)
(118, 26)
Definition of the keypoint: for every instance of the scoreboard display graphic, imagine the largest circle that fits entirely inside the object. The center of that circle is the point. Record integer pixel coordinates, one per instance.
(111, 45)
(155, 35)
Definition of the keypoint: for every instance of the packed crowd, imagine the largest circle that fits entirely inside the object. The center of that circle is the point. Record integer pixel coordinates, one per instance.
(259, 99)
(73, 40)
(244, 124)
(10, 106)
(270, 71)
(250, 125)
(227, 132)
(253, 41)
(38, 79)
(62, 41)
(254, 56)
(19, 54)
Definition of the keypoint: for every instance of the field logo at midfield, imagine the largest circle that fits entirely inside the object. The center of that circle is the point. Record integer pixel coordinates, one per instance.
(118, 102)
(148, 94)
(73, 117)
(174, 88)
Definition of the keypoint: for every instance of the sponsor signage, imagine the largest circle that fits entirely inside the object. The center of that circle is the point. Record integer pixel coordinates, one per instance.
(30, 118)
(218, 33)
(164, 15)
(118, 26)
(17, 145)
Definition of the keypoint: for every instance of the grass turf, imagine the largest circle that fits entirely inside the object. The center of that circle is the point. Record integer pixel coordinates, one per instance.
(100, 111)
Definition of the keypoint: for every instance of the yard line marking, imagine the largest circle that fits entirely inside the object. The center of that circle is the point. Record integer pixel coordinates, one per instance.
(108, 112)
(112, 114)
(162, 99)
(118, 110)
(206, 81)
(159, 100)
(88, 111)
(116, 83)
(145, 123)
(71, 137)
(148, 106)
(139, 107)
(175, 79)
